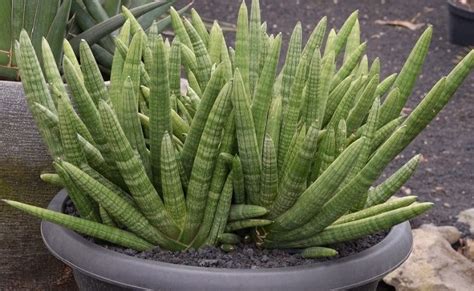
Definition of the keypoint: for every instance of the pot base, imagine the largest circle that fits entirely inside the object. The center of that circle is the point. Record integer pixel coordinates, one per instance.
(85, 282)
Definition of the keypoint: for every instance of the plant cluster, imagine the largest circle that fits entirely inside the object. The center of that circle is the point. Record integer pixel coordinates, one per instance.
(49, 21)
(286, 158)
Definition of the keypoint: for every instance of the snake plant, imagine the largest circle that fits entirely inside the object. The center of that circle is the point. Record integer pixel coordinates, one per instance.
(289, 158)
(53, 20)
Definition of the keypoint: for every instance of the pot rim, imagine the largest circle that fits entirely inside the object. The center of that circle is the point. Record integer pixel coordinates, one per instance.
(97, 262)
(10, 81)
(460, 10)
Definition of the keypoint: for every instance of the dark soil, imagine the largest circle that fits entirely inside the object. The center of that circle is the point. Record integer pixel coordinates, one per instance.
(245, 256)
(446, 174)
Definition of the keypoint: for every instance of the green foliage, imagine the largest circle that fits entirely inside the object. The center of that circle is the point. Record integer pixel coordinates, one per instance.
(295, 150)
(16, 16)
(53, 20)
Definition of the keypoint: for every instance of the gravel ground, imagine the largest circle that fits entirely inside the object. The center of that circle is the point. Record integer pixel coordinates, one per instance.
(446, 174)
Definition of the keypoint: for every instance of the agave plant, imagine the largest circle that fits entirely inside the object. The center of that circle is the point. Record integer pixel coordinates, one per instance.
(50, 24)
(95, 21)
(286, 157)
(52, 20)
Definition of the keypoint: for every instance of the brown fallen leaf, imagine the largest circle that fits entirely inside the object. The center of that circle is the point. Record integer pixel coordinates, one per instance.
(402, 23)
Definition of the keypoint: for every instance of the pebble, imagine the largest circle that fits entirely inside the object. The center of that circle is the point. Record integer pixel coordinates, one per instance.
(467, 217)
(406, 190)
(468, 249)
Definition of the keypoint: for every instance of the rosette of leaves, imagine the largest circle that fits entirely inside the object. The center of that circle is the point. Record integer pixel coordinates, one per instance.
(287, 158)
(54, 20)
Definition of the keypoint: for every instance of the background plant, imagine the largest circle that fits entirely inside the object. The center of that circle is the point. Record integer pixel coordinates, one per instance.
(287, 156)
(91, 20)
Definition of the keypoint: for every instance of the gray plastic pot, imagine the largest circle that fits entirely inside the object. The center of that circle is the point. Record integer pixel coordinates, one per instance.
(461, 24)
(96, 268)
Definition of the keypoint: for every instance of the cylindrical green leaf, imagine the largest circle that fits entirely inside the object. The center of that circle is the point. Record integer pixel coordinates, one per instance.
(94, 229)
(173, 194)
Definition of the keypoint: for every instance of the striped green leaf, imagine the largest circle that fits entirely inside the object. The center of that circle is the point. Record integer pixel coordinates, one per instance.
(175, 69)
(72, 149)
(293, 183)
(204, 163)
(87, 208)
(52, 179)
(377, 209)
(353, 41)
(249, 153)
(362, 106)
(345, 198)
(344, 32)
(345, 87)
(179, 29)
(269, 178)
(255, 45)
(359, 228)
(290, 66)
(50, 69)
(199, 121)
(437, 98)
(160, 121)
(216, 38)
(222, 212)
(245, 211)
(341, 137)
(263, 90)
(292, 113)
(92, 77)
(130, 122)
(203, 60)
(385, 85)
(318, 252)
(173, 194)
(90, 228)
(238, 181)
(392, 184)
(219, 176)
(310, 106)
(242, 47)
(411, 69)
(35, 88)
(246, 223)
(134, 174)
(319, 192)
(348, 66)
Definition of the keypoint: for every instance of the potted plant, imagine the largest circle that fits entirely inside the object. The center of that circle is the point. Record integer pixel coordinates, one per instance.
(23, 155)
(280, 160)
(461, 22)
